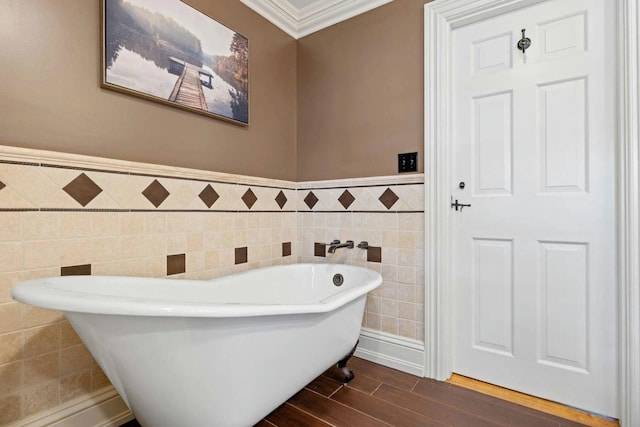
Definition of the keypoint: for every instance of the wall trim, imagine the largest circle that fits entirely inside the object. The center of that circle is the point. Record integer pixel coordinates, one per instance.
(373, 181)
(54, 159)
(628, 206)
(440, 18)
(103, 408)
(273, 12)
(302, 22)
(393, 351)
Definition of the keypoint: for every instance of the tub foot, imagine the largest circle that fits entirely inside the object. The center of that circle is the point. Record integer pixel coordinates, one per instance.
(342, 365)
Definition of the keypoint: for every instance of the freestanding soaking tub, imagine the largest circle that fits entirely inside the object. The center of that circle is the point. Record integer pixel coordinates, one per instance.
(223, 352)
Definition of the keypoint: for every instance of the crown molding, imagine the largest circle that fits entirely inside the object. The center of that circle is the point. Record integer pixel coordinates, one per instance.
(302, 22)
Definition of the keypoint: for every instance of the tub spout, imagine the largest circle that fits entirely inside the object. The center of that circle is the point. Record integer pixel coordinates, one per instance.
(336, 245)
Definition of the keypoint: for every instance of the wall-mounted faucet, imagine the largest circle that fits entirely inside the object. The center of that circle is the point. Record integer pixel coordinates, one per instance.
(363, 245)
(336, 245)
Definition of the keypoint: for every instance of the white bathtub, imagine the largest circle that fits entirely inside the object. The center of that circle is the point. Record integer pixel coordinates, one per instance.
(223, 352)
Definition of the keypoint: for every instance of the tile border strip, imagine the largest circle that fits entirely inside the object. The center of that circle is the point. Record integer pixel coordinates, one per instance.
(361, 212)
(96, 165)
(150, 175)
(195, 211)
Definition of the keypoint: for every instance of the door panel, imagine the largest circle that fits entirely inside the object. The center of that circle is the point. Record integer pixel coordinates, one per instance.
(493, 289)
(563, 36)
(564, 290)
(492, 144)
(533, 261)
(562, 118)
(493, 54)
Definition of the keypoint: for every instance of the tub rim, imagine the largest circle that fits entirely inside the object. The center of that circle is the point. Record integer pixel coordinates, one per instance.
(42, 292)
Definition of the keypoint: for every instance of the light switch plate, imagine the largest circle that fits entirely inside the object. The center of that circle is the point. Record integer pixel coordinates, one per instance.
(407, 162)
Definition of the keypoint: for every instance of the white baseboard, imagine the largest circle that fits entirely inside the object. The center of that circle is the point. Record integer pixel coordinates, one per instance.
(393, 351)
(103, 408)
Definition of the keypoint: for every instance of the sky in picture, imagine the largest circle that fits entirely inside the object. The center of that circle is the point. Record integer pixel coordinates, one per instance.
(215, 37)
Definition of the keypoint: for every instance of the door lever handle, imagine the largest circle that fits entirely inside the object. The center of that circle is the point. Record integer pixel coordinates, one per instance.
(457, 205)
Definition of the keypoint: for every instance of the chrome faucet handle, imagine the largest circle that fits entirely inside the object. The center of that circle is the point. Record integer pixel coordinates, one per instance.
(335, 242)
(363, 245)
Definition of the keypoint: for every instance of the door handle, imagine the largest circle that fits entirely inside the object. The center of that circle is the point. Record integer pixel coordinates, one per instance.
(457, 205)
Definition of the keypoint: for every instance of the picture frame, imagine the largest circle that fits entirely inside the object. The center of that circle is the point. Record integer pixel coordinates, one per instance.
(169, 52)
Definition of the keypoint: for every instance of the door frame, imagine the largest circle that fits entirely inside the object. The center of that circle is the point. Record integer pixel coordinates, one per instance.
(441, 17)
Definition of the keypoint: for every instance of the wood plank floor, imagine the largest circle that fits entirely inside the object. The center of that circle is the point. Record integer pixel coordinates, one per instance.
(380, 396)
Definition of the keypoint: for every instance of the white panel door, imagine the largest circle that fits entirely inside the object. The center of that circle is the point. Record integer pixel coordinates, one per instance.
(534, 254)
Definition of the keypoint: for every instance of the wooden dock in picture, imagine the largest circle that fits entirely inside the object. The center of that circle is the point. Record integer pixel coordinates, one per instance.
(188, 88)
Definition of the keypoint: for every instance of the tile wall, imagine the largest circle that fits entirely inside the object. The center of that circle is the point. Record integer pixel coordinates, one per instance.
(67, 214)
(61, 217)
(387, 213)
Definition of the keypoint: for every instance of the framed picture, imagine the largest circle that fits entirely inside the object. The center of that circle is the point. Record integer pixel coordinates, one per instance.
(169, 52)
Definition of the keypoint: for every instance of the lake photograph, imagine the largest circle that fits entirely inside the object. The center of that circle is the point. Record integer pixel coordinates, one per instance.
(171, 51)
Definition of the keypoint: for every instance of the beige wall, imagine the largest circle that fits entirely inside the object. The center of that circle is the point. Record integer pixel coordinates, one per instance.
(360, 94)
(50, 97)
(339, 103)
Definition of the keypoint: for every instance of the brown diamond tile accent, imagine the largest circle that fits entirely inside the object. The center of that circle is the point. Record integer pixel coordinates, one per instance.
(281, 199)
(2, 185)
(176, 264)
(374, 254)
(346, 199)
(76, 270)
(242, 255)
(209, 196)
(156, 193)
(320, 249)
(249, 198)
(311, 200)
(388, 198)
(286, 249)
(82, 189)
